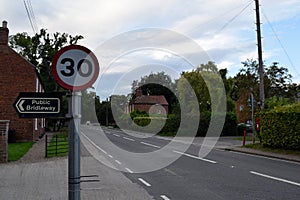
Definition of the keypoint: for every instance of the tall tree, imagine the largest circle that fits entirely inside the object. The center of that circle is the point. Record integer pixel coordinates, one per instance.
(246, 80)
(40, 49)
(277, 81)
(157, 84)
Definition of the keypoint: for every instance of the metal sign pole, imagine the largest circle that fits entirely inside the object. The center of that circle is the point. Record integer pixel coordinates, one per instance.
(74, 145)
(252, 117)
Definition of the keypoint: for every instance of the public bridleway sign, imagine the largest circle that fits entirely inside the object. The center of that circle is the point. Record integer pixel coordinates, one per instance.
(38, 105)
(75, 67)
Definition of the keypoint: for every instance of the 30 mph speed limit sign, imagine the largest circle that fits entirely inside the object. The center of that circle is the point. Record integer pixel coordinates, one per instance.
(75, 67)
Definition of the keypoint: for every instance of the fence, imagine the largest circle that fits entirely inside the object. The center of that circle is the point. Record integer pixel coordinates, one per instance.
(4, 126)
(56, 145)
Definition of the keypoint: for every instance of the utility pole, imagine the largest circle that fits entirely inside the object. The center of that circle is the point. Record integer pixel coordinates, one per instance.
(106, 112)
(260, 59)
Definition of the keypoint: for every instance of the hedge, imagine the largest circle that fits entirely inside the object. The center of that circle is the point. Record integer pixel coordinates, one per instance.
(281, 129)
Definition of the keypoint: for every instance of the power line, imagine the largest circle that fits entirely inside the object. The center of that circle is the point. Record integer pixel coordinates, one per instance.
(234, 17)
(30, 15)
(279, 41)
(222, 15)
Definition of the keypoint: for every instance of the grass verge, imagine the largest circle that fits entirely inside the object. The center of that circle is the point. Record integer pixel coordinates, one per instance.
(260, 147)
(18, 150)
(59, 145)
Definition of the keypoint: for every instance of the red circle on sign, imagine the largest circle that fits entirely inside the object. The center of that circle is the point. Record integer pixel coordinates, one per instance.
(62, 82)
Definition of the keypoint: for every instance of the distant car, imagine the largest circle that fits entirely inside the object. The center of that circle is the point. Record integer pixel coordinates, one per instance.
(88, 123)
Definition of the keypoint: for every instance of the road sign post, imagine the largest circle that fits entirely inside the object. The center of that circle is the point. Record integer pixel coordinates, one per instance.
(74, 145)
(74, 68)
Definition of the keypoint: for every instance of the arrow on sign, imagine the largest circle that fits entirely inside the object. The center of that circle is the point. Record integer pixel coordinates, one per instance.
(21, 105)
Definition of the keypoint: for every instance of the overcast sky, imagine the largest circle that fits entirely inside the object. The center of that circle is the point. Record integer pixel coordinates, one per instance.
(223, 29)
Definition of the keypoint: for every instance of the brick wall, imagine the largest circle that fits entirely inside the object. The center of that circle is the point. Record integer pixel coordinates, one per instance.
(3, 141)
(3, 148)
(16, 75)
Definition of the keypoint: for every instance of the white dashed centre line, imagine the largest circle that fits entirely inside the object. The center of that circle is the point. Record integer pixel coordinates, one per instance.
(144, 182)
(196, 157)
(129, 170)
(110, 156)
(151, 145)
(275, 178)
(118, 162)
(126, 138)
(164, 197)
(116, 135)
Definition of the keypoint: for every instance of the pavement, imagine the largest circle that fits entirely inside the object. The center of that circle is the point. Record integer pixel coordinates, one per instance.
(36, 177)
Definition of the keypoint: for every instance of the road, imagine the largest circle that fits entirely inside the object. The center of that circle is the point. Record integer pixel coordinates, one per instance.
(220, 175)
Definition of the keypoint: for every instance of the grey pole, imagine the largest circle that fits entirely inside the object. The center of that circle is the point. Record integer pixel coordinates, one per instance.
(74, 145)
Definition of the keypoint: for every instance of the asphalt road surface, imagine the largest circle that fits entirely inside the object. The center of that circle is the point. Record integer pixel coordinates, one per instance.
(219, 175)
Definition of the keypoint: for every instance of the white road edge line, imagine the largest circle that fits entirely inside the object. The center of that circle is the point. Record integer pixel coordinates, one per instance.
(118, 162)
(144, 182)
(151, 145)
(93, 143)
(275, 178)
(116, 135)
(126, 138)
(259, 156)
(164, 197)
(191, 156)
(129, 170)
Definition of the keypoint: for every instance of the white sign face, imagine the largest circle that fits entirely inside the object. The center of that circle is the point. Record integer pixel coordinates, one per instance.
(75, 67)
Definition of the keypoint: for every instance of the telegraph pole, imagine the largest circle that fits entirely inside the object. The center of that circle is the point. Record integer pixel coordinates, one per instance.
(260, 59)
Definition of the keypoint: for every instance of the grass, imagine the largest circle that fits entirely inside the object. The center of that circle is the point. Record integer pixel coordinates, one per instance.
(18, 150)
(61, 149)
(260, 147)
(248, 138)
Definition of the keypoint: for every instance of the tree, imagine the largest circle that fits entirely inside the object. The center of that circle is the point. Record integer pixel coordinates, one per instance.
(208, 87)
(277, 81)
(89, 104)
(156, 84)
(246, 80)
(293, 92)
(40, 49)
(209, 67)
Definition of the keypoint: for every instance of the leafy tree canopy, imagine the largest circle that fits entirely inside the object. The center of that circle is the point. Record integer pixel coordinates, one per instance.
(40, 49)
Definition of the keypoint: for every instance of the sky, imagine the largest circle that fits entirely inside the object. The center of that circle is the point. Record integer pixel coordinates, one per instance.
(132, 38)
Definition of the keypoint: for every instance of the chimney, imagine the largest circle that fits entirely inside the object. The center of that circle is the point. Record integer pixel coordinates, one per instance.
(4, 34)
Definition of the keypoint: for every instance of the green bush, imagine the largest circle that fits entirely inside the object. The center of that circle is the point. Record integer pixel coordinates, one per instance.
(137, 113)
(280, 127)
(171, 125)
(230, 125)
(142, 121)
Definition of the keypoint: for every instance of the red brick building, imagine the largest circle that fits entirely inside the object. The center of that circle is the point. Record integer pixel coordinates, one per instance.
(243, 110)
(152, 104)
(17, 75)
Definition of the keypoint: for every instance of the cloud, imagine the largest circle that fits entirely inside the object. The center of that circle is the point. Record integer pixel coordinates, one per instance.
(224, 29)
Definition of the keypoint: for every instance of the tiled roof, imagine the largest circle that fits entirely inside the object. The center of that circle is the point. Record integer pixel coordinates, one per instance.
(145, 99)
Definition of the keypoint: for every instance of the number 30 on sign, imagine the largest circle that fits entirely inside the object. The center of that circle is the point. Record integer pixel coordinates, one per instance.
(75, 67)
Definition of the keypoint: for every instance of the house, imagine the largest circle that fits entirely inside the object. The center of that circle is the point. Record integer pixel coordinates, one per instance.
(243, 109)
(152, 104)
(17, 75)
